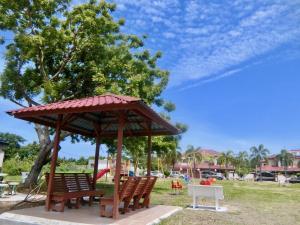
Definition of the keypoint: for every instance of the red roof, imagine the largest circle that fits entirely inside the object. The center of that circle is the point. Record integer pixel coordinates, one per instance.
(81, 115)
(69, 105)
(279, 169)
(202, 166)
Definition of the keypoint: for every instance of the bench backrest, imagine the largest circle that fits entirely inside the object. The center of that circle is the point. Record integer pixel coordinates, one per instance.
(141, 186)
(70, 182)
(128, 188)
(149, 185)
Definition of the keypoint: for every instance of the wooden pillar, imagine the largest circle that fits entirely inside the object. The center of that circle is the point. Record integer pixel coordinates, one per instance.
(149, 150)
(53, 161)
(98, 142)
(118, 167)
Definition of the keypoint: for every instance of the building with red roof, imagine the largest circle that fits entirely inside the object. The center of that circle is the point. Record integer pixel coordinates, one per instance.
(273, 164)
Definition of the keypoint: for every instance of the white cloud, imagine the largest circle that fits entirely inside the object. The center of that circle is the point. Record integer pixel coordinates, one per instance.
(204, 39)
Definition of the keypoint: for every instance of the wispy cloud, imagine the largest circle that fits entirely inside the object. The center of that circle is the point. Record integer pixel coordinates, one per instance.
(209, 40)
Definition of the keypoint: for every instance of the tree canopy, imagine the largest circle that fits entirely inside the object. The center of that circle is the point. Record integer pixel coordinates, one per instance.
(61, 51)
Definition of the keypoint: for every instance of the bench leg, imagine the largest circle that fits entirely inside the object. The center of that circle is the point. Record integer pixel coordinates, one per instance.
(91, 199)
(62, 206)
(217, 204)
(126, 207)
(194, 202)
(77, 205)
(135, 203)
(102, 210)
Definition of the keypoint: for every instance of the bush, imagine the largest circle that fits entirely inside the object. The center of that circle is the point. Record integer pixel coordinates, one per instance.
(166, 173)
(15, 166)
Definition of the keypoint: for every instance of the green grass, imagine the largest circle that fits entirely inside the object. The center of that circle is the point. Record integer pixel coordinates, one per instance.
(248, 203)
(13, 178)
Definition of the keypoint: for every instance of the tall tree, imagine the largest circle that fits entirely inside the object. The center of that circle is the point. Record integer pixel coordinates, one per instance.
(286, 159)
(193, 154)
(241, 163)
(226, 158)
(61, 52)
(258, 154)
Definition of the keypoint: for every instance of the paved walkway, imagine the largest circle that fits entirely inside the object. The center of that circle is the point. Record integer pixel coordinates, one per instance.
(85, 215)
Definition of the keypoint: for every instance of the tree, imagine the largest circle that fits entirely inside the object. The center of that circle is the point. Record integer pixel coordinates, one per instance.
(241, 163)
(286, 159)
(59, 52)
(258, 154)
(14, 144)
(82, 161)
(29, 151)
(194, 154)
(226, 158)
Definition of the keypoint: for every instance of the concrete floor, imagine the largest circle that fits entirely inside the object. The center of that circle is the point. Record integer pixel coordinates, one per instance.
(85, 215)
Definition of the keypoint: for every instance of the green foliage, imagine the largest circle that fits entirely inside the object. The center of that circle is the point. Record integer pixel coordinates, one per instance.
(226, 158)
(15, 166)
(29, 151)
(285, 157)
(61, 52)
(167, 173)
(82, 161)
(242, 163)
(258, 154)
(14, 144)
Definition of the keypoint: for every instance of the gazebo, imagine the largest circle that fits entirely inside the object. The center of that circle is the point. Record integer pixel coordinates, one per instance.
(104, 116)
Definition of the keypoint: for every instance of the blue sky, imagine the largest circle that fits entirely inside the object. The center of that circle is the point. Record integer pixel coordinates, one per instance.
(235, 70)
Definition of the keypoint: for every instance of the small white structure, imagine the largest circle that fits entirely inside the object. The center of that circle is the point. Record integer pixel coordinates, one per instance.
(102, 164)
(206, 191)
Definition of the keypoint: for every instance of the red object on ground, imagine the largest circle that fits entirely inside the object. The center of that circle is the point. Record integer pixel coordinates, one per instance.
(101, 173)
(205, 182)
(176, 185)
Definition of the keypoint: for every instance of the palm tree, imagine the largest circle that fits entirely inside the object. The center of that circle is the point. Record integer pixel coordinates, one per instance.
(285, 158)
(258, 154)
(193, 153)
(241, 162)
(226, 158)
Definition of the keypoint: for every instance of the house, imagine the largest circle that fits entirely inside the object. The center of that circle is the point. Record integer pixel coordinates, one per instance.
(209, 162)
(272, 164)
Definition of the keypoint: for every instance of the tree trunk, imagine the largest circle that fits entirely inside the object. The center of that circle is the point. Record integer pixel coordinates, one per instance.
(43, 157)
(260, 168)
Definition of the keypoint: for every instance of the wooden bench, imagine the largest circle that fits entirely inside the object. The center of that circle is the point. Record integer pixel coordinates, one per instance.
(125, 195)
(145, 194)
(68, 186)
(137, 195)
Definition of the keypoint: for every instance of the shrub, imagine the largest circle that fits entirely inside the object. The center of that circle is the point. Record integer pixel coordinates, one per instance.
(166, 173)
(15, 166)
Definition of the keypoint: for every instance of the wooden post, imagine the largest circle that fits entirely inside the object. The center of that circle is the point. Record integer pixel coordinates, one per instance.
(53, 162)
(149, 150)
(98, 142)
(118, 167)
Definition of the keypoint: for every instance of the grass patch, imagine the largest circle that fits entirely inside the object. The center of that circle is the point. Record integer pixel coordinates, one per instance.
(248, 203)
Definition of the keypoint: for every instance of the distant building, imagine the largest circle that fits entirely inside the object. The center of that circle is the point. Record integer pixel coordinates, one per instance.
(209, 162)
(272, 163)
(3, 144)
(102, 164)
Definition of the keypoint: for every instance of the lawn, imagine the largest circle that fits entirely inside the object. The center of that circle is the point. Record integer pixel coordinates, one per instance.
(247, 203)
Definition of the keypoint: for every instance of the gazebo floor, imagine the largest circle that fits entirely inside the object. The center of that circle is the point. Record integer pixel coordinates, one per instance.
(85, 215)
